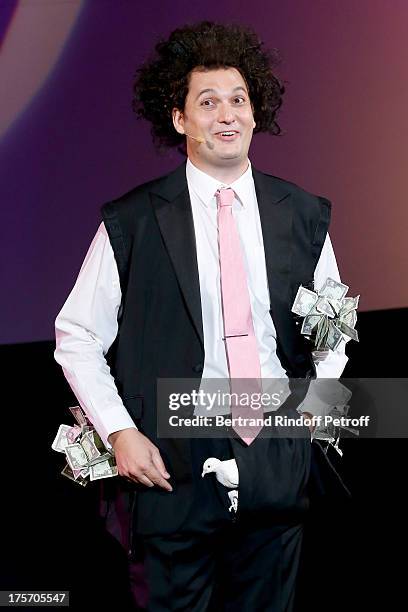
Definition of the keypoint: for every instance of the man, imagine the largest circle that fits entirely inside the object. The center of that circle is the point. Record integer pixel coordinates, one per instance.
(151, 302)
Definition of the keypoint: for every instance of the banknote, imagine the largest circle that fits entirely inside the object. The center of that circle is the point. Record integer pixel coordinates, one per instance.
(100, 459)
(79, 415)
(89, 446)
(350, 318)
(350, 303)
(67, 472)
(346, 329)
(336, 305)
(323, 305)
(334, 337)
(98, 441)
(304, 301)
(309, 324)
(333, 290)
(77, 473)
(104, 469)
(321, 334)
(86, 427)
(76, 456)
(73, 433)
(83, 473)
(61, 440)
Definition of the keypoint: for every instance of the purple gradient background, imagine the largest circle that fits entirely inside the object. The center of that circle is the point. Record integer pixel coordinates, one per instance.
(77, 144)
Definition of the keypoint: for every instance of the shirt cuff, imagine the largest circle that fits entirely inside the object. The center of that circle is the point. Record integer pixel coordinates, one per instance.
(333, 366)
(115, 419)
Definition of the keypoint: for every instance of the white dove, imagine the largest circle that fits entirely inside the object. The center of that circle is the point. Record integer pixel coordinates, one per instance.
(226, 472)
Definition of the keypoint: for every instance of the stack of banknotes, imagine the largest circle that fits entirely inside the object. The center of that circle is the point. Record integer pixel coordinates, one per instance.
(86, 455)
(329, 316)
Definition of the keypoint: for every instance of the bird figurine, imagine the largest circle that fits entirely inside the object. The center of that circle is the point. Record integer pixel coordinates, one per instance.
(226, 472)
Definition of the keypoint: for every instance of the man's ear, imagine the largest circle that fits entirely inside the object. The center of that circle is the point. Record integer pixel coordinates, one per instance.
(178, 120)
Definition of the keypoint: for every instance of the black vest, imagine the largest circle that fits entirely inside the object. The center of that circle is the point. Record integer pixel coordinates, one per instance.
(160, 324)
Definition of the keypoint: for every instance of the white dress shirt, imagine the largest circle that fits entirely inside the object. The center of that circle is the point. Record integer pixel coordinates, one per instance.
(87, 324)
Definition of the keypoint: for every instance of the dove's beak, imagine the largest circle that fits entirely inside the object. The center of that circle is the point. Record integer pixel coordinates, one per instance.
(202, 475)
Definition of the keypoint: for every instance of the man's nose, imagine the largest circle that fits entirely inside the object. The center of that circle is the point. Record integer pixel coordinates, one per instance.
(225, 113)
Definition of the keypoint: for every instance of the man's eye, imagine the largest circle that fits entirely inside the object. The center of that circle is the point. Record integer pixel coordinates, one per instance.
(210, 102)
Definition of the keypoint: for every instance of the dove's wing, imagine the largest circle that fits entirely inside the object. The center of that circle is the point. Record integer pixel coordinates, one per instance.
(227, 473)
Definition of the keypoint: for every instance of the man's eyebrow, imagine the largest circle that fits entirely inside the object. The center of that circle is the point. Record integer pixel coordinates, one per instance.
(213, 90)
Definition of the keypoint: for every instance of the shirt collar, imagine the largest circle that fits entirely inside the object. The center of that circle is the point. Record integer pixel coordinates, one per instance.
(205, 186)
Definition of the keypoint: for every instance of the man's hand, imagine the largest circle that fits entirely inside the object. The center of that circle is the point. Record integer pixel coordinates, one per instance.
(138, 459)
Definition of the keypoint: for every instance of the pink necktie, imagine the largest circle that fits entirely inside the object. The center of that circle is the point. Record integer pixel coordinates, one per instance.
(239, 336)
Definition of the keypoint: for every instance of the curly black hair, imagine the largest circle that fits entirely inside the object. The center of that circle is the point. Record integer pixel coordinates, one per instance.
(161, 83)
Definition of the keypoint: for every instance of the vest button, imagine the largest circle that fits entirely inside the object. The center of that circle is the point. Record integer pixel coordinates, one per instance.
(198, 368)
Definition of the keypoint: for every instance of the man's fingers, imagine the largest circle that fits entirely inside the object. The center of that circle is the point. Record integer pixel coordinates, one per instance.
(154, 475)
(148, 468)
(153, 478)
(159, 464)
(145, 480)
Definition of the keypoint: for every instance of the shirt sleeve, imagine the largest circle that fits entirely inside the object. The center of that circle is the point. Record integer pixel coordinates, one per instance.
(334, 363)
(85, 328)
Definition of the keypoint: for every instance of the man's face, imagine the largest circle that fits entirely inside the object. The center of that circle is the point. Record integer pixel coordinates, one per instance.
(217, 101)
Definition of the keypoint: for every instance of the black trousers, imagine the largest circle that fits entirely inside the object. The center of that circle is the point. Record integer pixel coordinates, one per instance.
(219, 562)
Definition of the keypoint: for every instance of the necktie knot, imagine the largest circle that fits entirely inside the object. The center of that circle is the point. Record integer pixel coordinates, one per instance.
(225, 197)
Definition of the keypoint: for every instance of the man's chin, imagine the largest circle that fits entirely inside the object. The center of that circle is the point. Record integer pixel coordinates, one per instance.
(230, 155)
